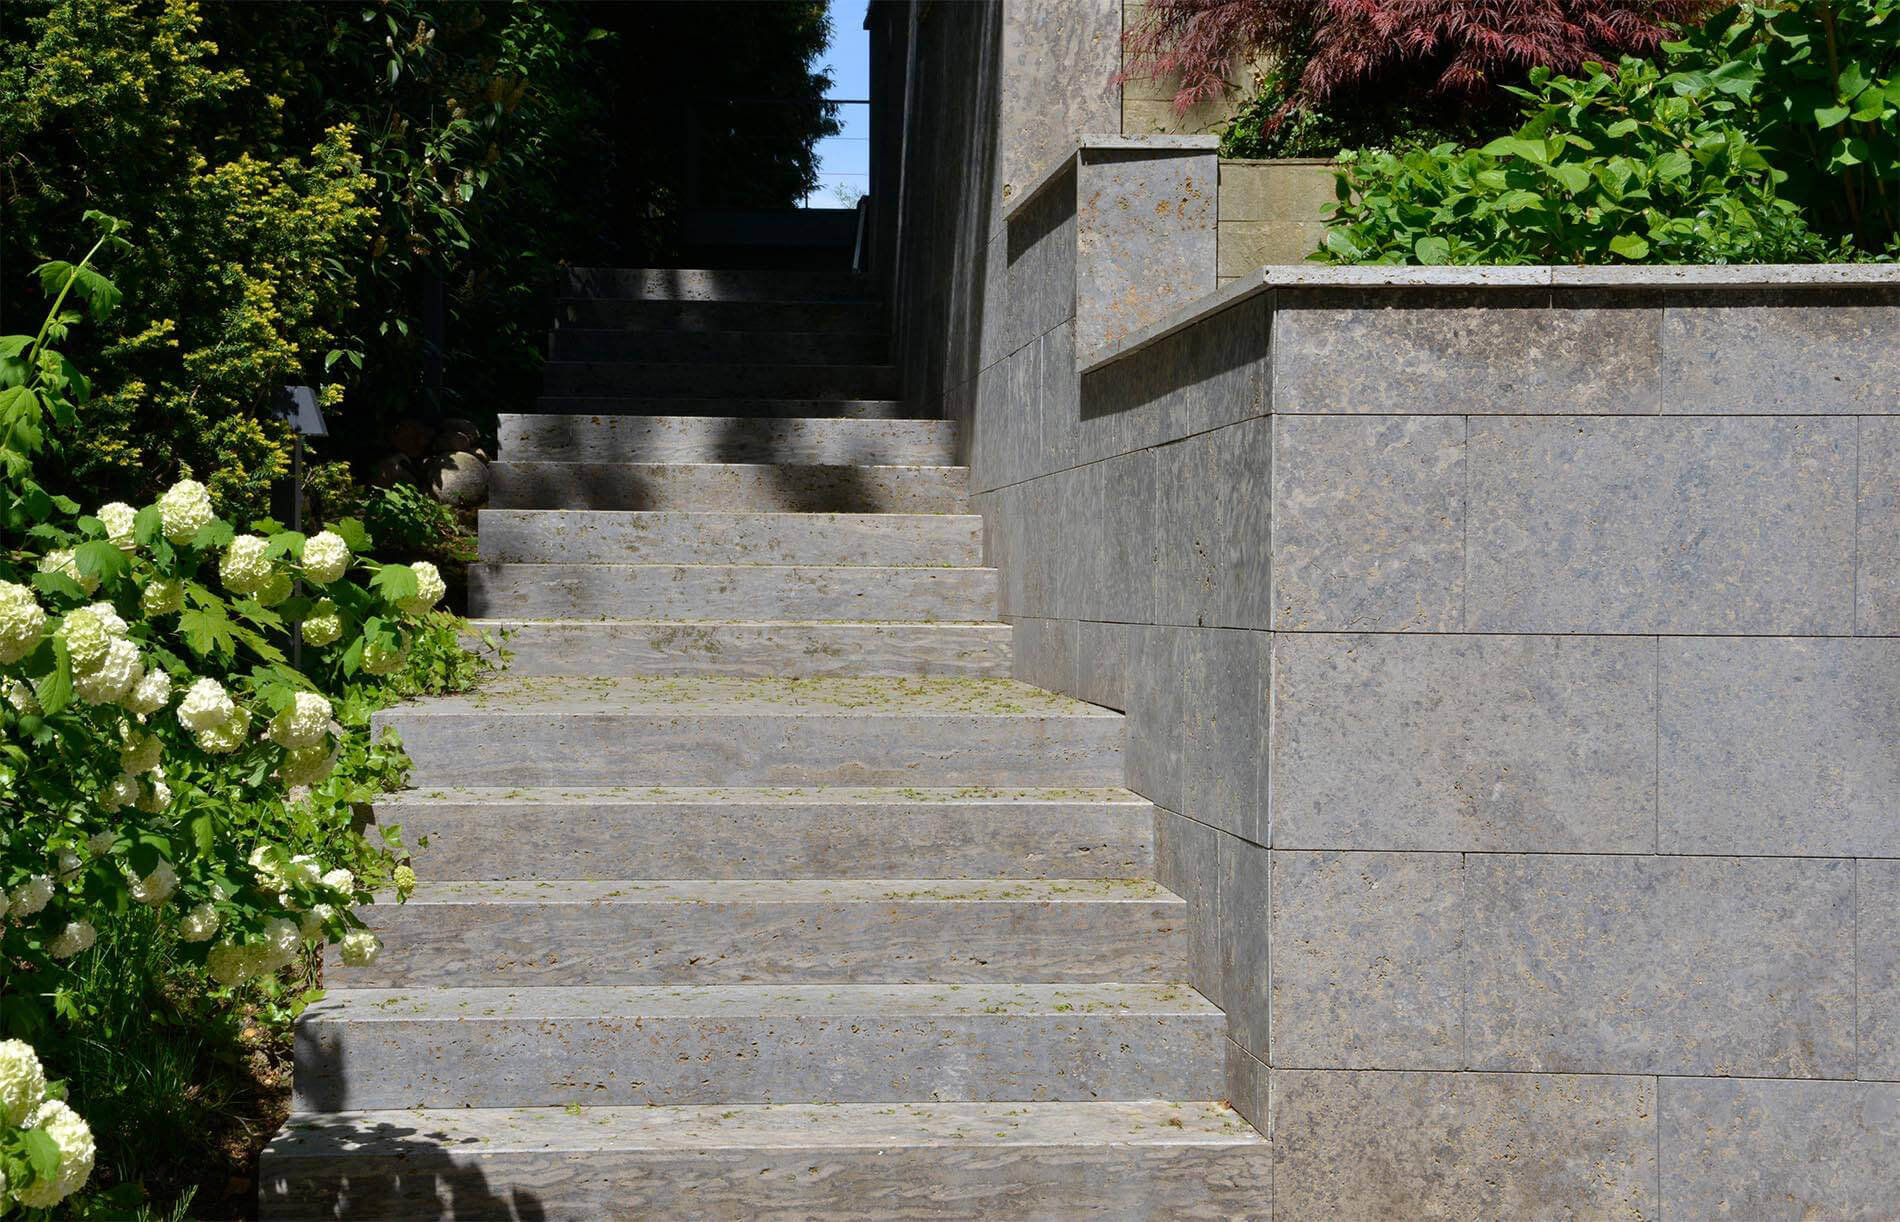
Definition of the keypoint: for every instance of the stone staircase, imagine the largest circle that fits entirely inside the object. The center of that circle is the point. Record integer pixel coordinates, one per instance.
(756, 888)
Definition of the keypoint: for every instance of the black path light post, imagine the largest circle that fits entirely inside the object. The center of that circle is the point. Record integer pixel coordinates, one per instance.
(297, 405)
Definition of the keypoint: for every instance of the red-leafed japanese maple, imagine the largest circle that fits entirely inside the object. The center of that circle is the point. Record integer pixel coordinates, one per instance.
(1455, 50)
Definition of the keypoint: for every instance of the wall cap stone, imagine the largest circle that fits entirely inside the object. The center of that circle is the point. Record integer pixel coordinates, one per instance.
(1322, 275)
(1107, 141)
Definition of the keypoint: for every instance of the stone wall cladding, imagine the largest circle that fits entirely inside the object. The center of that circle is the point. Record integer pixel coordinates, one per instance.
(1515, 670)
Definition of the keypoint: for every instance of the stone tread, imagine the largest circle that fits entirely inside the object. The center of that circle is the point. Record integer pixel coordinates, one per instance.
(880, 891)
(535, 695)
(568, 437)
(793, 1126)
(731, 487)
(825, 795)
(789, 648)
(725, 406)
(729, 593)
(622, 536)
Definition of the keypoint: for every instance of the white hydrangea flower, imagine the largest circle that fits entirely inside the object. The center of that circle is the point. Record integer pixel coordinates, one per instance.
(245, 568)
(227, 737)
(360, 948)
(140, 753)
(405, 880)
(274, 591)
(229, 964)
(324, 625)
(379, 659)
(3, 903)
(22, 622)
(32, 895)
(119, 519)
(77, 936)
(270, 876)
(325, 557)
(282, 941)
(205, 706)
(162, 597)
(157, 887)
(21, 697)
(199, 924)
(311, 923)
(150, 694)
(157, 795)
(429, 589)
(100, 843)
(123, 792)
(22, 1082)
(113, 677)
(308, 765)
(109, 616)
(305, 722)
(341, 880)
(68, 865)
(76, 1152)
(184, 510)
(87, 638)
(62, 561)
(303, 871)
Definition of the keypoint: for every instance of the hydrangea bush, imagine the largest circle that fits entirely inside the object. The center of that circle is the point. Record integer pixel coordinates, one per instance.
(46, 1149)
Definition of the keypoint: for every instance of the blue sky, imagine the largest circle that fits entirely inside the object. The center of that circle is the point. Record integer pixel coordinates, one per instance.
(845, 158)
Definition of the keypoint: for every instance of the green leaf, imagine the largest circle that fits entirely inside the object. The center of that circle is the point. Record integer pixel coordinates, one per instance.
(395, 582)
(100, 559)
(55, 688)
(1432, 250)
(1629, 245)
(42, 1153)
(1828, 116)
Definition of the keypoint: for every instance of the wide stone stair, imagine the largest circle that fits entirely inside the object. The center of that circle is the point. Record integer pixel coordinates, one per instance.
(756, 888)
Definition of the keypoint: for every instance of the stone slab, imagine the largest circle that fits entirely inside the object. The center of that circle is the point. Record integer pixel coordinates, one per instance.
(606, 536)
(729, 487)
(1187, 862)
(731, 592)
(718, 284)
(688, 378)
(825, 441)
(1213, 495)
(788, 347)
(1877, 530)
(786, 650)
(1877, 971)
(1145, 237)
(1826, 351)
(1244, 893)
(867, 317)
(1156, 719)
(1224, 702)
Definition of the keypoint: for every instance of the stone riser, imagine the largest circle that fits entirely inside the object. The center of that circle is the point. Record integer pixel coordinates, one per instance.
(730, 592)
(739, 835)
(729, 1057)
(666, 379)
(569, 536)
(685, 933)
(726, 406)
(552, 647)
(749, 347)
(496, 747)
(863, 318)
(717, 284)
(717, 439)
(728, 487)
(1019, 1181)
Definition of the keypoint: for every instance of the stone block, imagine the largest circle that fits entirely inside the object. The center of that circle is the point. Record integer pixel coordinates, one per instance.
(1480, 743)
(1213, 496)
(1249, 1086)
(1224, 706)
(1877, 584)
(1043, 536)
(1045, 653)
(1593, 524)
(1058, 397)
(1780, 1150)
(1187, 862)
(1877, 964)
(1395, 1147)
(1368, 524)
(1780, 746)
(1466, 352)
(1156, 722)
(1124, 587)
(1368, 960)
(1293, 189)
(1080, 527)
(1244, 246)
(1810, 352)
(1057, 83)
(1101, 663)
(1209, 374)
(1145, 238)
(1699, 965)
(1244, 942)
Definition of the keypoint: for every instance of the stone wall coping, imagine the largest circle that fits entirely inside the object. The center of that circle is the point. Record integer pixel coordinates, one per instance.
(1322, 275)
(1107, 141)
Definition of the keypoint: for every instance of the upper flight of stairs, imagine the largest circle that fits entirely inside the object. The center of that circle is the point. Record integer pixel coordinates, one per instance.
(756, 888)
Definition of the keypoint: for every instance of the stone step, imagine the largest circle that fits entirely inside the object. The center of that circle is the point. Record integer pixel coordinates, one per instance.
(788, 649)
(719, 284)
(1047, 1162)
(731, 592)
(734, 1044)
(796, 347)
(662, 379)
(743, 832)
(729, 487)
(775, 931)
(582, 536)
(825, 441)
(726, 406)
(522, 730)
(846, 317)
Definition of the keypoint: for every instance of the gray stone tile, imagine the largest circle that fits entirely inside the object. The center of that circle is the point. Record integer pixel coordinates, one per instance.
(1045, 653)
(1446, 351)
(1807, 352)
(988, 429)
(1080, 552)
(1244, 943)
(1225, 739)
(1187, 862)
(1156, 723)
(1101, 663)
(1213, 495)
(1057, 72)
(994, 342)
(1044, 536)
(1877, 968)
(1022, 403)
(1780, 1151)
(1249, 1086)
(1877, 573)
(1059, 396)
(1494, 743)
(1210, 374)
(1780, 746)
(1368, 524)
(1396, 1147)
(1368, 960)
(1124, 587)
(1588, 524)
(1700, 965)
(1145, 238)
